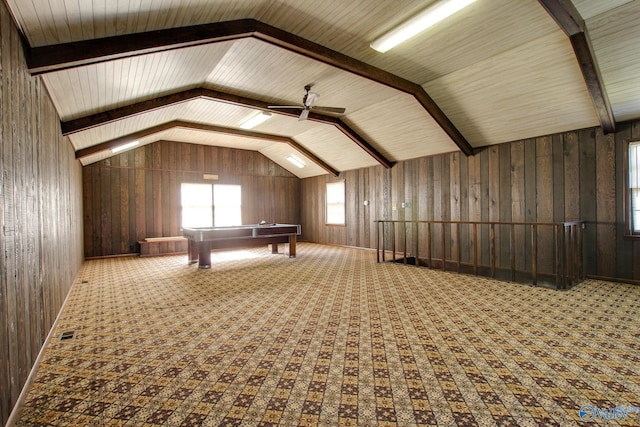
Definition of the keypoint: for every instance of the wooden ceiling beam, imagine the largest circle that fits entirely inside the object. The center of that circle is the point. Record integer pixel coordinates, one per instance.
(566, 15)
(69, 55)
(46, 59)
(570, 21)
(80, 124)
(105, 117)
(108, 145)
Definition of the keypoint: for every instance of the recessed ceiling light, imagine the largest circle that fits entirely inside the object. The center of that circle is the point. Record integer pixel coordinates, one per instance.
(420, 22)
(124, 147)
(255, 120)
(296, 161)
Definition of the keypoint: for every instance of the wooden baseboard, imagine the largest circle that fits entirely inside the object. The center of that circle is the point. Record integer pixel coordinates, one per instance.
(614, 279)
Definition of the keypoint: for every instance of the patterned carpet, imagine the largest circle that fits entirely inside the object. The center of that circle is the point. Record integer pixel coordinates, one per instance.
(333, 338)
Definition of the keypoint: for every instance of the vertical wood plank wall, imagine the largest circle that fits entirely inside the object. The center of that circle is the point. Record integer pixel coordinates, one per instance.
(569, 176)
(136, 194)
(41, 211)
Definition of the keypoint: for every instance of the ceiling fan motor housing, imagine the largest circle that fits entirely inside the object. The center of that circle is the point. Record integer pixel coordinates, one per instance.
(310, 99)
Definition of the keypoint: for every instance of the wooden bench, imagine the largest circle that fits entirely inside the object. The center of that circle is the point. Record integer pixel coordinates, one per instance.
(156, 246)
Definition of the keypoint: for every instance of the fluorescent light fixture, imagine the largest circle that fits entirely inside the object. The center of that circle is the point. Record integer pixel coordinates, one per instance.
(296, 161)
(425, 19)
(125, 146)
(255, 120)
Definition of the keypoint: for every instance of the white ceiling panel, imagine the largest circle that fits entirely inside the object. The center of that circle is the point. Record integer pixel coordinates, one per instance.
(401, 128)
(279, 153)
(82, 91)
(591, 8)
(500, 70)
(494, 101)
(48, 22)
(254, 67)
(481, 31)
(217, 139)
(615, 35)
(324, 140)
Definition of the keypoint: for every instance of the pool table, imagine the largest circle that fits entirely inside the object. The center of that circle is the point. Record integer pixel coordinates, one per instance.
(203, 240)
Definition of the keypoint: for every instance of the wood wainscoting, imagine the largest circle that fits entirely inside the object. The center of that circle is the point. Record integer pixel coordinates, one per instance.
(557, 178)
(41, 211)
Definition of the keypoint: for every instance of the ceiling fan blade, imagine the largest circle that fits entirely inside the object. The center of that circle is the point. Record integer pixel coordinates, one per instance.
(304, 115)
(330, 109)
(297, 107)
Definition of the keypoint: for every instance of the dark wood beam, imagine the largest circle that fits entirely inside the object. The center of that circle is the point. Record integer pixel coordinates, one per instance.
(46, 59)
(569, 20)
(108, 145)
(99, 119)
(593, 79)
(566, 15)
(68, 55)
(110, 116)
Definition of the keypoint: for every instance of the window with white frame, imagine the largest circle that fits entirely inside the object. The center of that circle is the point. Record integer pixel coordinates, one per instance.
(335, 198)
(633, 189)
(207, 205)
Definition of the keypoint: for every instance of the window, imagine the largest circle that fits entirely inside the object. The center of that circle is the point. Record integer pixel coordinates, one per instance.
(335, 203)
(206, 205)
(633, 189)
(197, 205)
(227, 205)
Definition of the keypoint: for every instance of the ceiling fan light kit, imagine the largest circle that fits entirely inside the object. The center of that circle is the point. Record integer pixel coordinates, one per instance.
(419, 23)
(308, 103)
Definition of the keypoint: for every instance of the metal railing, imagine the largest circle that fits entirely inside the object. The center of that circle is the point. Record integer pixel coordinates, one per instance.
(523, 251)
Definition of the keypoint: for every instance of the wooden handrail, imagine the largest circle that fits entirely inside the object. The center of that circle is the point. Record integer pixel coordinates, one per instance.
(564, 240)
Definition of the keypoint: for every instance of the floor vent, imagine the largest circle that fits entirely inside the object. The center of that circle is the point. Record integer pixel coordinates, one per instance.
(65, 336)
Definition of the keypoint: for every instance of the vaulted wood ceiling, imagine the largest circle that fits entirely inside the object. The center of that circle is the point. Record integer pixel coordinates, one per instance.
(192, 70)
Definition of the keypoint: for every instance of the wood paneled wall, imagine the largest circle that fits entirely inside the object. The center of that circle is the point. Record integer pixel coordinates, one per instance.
(136, 194)
(41, 211)
(571, 176)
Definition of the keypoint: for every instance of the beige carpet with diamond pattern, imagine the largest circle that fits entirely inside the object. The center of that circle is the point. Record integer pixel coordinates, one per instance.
(333, 338)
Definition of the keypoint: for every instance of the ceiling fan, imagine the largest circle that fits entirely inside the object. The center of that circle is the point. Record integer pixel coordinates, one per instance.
(309, 102)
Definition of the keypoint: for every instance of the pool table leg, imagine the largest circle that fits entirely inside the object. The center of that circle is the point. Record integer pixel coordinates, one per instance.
(292, 246)
(204, 254)
(192, 252)
(274, 248)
